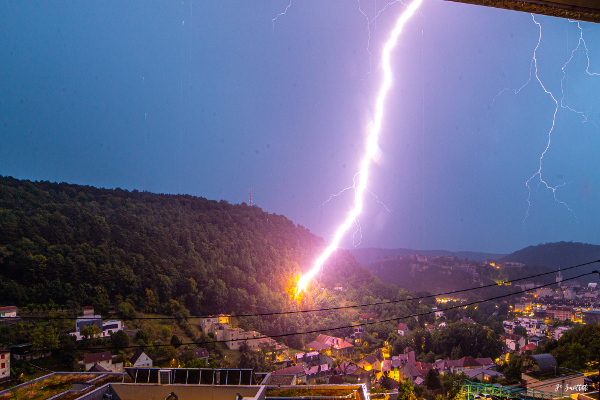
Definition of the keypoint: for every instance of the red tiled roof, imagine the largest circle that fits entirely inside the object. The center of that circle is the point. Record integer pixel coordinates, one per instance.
(468, 362)
(453, 363)
(530, 346)
(318, 345)
(87, 308)
(8, 308)
(200, 353)
(342, 344)
(485, 361)
(401, 326)
(97, 357)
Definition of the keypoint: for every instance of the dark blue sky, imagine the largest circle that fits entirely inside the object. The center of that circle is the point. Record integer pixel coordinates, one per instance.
(211, 98)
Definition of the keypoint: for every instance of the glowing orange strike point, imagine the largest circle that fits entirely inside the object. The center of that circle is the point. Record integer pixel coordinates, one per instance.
(372, 148)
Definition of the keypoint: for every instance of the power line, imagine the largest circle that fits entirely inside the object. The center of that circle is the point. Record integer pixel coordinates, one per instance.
(341, 307)
(339, 327)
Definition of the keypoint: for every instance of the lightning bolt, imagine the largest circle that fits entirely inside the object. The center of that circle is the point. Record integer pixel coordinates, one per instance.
(587, 71)
(280, 14)
(372, 148)
(538, 173)
(533, 73)
(369, 22)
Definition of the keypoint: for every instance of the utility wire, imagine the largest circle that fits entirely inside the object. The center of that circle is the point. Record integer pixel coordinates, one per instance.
(341, 307)
(336, 328)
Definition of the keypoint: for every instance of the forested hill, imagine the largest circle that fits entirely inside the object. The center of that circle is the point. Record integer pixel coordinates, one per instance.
(559, 255)
(67, 244)
(365, 256)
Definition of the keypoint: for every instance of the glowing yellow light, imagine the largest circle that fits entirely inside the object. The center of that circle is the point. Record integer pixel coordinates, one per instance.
(372, 148)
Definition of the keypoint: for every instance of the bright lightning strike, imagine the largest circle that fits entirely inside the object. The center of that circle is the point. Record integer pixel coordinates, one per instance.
(372, 148)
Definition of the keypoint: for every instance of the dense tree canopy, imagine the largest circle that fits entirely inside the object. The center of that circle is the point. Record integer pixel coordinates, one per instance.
(69, 245)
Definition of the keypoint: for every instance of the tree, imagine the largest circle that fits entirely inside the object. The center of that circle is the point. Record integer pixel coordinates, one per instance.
(66, 349)
(406, 391)
(457, 353)
(166, 331)
(175, 341)
(432, 381)
(387, 382)
(126, 310)
(196, 363)
(142, 335)
(519, 330)
(44, 338)
(512, 369)
(119, 339)
(151, 301)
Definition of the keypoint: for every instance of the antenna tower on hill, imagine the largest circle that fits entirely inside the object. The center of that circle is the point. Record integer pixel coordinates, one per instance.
(250, 197)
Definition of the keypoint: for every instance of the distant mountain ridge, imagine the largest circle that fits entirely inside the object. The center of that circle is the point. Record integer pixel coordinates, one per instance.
(398, 266)
(559, 255)
(369, 255)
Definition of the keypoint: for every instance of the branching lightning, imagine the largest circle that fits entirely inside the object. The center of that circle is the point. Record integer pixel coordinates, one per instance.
(538, 173)
(533, 72)
(280, 14)
(369, 22)
(372, 149)
(587, 71)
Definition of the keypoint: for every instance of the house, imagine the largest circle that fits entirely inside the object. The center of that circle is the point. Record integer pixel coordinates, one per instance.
(106, 327)
(528, 348)
(87, 321)
(297, 371)
(464, 364)
(25, 351)
(357, 335)
(317, 373)
(403, 329)
(103, 359)
(483, 375)
(560, 313)
(337, 347)
(486, 363)
(513, 342)
(98, 368)
(140, 359)
(367, 317)
(352, 370)
(87, 311)
(370, 362)
(236, 337)
(8, 312)
(411, 372)
(4, 364)
(201, 354)
(110, 327)
(274, 350)
(210, 323)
